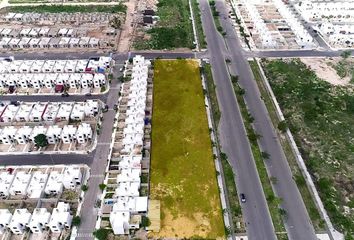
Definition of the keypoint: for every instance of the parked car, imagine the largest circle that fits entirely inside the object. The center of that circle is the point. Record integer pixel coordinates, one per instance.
(65, 94)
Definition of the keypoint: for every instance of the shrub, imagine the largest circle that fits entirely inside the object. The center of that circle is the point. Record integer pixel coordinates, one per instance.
(76, 221)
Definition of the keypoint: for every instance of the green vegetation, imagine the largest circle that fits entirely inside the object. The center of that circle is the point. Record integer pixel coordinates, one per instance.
(102, 186)
(216, 17)
(41, 140)
(272, 200)
(181, 153)
(119, 8)
(173, 30)
(312, 210)
(76, 221)
(345, 68)
(206, 70)
(145, 221)
(321, 118)
(198, 24)
(235, 207)
(102, 233)
(84, 188)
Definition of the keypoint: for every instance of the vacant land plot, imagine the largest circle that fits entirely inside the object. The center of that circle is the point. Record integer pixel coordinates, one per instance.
(173, 30)
(337, 71)
(183, 175)
(321, 117)
(67, 8)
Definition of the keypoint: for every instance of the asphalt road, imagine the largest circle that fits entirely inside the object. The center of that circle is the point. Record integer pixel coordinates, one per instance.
(297, 222)
(293, 53)
(233, 137)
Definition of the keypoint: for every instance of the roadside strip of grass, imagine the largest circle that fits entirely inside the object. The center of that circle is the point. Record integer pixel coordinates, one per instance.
(312, 210)
(68, 8)
(229, 177)
(212, 93)
(216, 14)
(198, 24)
(272, 200)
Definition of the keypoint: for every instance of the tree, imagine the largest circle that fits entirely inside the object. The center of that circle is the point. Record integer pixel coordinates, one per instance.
(282, 212)
(283, 126)
(116, 22)
(265, 155)
(234, 79)
(145, 221)
(41, 140)
(346, 54)
(84, 188)
(102, 186)
(76, 221)
(101, 234)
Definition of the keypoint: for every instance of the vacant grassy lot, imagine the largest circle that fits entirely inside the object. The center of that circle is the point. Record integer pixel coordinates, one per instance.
(70, 9)
(183, 175)
(173, 30)
(321, 117)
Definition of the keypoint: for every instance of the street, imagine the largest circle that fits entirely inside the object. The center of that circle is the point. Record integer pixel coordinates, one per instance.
(233, 136)
(297, 222)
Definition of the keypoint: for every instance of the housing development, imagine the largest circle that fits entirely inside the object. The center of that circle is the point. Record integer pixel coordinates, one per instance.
(186, 119)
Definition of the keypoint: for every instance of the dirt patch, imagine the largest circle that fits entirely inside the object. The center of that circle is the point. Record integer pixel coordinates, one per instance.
(323, 67)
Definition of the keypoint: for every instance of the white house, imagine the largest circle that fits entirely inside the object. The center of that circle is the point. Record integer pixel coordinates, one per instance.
(39, 220)
(51, 112)
(37, 184)
(91, 108)
(23, 134)
(6, 180)
(44, 43)
(68, 134)
(55, 183)
(8, 134)
(64, 112)
(127, 189)
(37, 112)
(24, 112)
(37, 66)
(34, 42)
(84, 133)
(37, 130)
(81, 66)
(19, 221)
(59, 66)
(38, 80)
(5, 219)
(99, 80)
(129, 175)
(20, 183)
(9, 113)
(78, 112)
(86, 80)
(72, 177)
(120, 222)
(131, 204)
(70, 66)
(61, 218)
(54, 134)
(48, 66)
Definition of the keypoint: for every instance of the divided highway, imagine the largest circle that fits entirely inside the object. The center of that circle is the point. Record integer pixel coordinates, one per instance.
(297, 221)
(233, 137)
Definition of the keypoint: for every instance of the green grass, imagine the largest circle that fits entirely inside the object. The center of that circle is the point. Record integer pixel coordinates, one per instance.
(173, 30)
(312, 210)
(183, 175)
(69, 9)
(215, 14)
(212, 93)
(198, 24)
(235, 208)
(273, 202)
(321, 117)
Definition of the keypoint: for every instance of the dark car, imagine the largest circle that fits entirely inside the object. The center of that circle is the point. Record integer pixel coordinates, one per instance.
(243, 197)
(65, 94)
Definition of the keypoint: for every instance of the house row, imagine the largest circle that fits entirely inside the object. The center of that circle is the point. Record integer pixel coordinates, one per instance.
(48, 111)
(95, 64)
(39, 32)
(129, 202)
(336, 11)
(38, 221)
(54, 134)
(302, 36)
(49, 42)
(34, 184)
(52, 80)
(64, 17)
